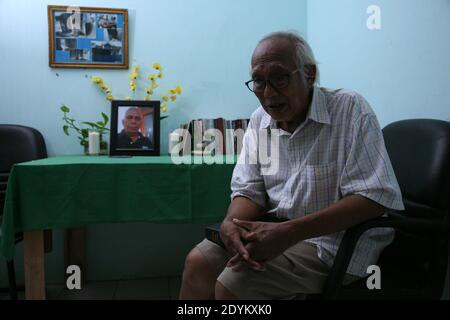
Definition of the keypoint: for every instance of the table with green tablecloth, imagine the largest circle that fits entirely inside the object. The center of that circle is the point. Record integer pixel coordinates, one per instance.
(71, 191)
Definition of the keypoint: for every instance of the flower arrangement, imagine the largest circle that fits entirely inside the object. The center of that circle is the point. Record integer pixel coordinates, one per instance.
(170, 96)
(83, 128)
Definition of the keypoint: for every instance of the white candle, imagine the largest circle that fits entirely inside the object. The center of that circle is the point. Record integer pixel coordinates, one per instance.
(94, 143)
(173, 141)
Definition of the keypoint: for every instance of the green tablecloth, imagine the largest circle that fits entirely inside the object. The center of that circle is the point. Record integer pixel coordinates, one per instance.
(72, 191)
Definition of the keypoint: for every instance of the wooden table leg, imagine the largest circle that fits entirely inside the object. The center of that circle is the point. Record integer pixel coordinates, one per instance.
(34, 265)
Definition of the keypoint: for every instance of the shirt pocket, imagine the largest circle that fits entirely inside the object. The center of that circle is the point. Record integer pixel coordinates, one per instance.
(320, 186)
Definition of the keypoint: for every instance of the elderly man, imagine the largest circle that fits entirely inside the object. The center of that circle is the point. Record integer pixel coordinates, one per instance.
(130, 137)
(334, 173)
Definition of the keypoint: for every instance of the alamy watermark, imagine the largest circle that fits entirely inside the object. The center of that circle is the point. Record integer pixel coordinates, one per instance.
(73, 281)
(254, 147)
(374, 280)
(374, 19)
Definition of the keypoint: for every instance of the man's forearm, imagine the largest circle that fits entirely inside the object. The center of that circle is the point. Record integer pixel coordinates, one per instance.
(342, 215)
(244, 209)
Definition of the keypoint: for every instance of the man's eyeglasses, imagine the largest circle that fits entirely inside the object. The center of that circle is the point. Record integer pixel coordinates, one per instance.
(137, 118)
(277, 82)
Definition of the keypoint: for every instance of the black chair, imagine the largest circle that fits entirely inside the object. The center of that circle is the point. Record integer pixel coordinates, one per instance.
(18, 144)
(414, 265)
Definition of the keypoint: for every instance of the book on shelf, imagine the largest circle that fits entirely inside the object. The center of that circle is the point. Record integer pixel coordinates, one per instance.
(212, 233)
(219, 124)
(225, 139)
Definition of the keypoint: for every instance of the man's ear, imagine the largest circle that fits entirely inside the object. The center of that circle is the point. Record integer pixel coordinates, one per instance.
(310, 74)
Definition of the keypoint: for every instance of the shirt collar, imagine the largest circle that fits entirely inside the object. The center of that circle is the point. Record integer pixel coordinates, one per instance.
(318, 111)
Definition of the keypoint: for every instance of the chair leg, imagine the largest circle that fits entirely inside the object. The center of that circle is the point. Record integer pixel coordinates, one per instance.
(12, 280)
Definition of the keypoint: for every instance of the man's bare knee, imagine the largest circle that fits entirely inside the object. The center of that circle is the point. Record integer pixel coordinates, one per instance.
(196, 263)
(198, 278)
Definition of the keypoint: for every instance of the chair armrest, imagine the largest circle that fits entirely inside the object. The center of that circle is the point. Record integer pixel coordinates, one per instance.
(352, 235)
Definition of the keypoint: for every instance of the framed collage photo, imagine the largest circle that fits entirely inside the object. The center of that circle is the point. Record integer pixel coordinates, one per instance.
(88, 37)
(135, 129)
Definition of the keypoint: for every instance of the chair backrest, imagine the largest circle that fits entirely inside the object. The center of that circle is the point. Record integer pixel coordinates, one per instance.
(419, 150)
(17, 144)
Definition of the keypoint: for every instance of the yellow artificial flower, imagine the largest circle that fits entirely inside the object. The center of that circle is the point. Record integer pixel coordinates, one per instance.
(134, 75)
(97, 79)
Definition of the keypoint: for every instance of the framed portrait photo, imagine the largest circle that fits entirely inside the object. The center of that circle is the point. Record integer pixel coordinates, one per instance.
(135, 129)
(81, 37)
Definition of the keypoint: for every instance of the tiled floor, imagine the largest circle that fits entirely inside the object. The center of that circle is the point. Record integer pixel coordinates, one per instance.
(140, 289)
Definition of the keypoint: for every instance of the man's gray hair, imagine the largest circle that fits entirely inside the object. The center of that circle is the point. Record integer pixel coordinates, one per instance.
(132, 109)
(303, 52)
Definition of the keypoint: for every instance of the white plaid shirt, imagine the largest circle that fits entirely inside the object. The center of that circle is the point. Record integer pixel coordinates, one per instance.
(336, 152)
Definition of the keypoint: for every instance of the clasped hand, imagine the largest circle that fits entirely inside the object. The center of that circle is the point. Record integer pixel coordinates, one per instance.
(253, 243)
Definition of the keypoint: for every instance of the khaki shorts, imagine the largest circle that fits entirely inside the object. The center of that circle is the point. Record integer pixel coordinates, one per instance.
(294, 274)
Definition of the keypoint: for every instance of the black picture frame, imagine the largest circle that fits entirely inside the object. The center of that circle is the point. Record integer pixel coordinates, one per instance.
(86, 37)
(120, 142)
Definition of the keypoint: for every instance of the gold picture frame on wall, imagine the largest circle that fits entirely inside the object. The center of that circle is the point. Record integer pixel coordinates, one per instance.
(82, 37)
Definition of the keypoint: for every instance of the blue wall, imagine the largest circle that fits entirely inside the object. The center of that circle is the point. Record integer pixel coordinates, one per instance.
(402, 69)
(203, 45)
